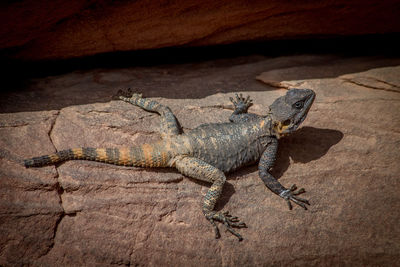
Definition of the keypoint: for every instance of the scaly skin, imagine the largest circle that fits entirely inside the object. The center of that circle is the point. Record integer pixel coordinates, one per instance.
(210, 150)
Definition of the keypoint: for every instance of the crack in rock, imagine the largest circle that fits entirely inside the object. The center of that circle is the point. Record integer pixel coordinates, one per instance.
(359, 83)
(59, 189)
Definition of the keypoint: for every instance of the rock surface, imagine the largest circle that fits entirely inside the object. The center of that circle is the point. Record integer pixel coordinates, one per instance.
(64, 29)
(86, 213)
(183, 81)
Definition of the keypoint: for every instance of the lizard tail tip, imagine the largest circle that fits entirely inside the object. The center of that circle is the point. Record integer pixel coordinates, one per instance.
(28, 163)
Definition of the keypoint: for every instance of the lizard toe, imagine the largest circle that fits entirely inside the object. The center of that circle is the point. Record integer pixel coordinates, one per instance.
(228, 221)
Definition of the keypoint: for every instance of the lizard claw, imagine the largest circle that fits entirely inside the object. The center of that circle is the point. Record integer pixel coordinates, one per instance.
(291, 195)
(228, 220)
(241, 103)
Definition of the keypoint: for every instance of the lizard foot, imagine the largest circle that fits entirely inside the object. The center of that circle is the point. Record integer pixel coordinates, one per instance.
(241, 103)
(291, 195)
(228, 221)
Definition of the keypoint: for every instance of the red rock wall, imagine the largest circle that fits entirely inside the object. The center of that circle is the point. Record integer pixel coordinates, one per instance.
(63, 29)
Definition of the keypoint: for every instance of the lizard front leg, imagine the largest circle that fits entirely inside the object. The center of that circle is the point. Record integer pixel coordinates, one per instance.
(266, 162)
(241, 106)
(198, 169)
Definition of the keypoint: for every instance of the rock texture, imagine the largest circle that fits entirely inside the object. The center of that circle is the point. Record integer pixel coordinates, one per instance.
(65, 29)
(183, 81)
(87, 213)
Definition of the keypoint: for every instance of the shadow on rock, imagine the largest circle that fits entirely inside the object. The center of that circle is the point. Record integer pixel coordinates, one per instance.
(305, 145)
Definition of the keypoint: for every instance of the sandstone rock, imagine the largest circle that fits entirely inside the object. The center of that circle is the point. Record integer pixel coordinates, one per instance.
(88, 213)
(326, 67)
(30, 207)
(65, 29)
(182, 81)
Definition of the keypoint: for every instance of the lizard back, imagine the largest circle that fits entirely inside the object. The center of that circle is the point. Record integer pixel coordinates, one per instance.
(228, 146)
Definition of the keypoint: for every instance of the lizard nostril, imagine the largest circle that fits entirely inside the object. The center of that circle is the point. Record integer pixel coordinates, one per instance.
(286, 123)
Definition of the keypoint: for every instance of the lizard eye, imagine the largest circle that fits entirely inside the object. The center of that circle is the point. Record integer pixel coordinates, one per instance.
(299, 104)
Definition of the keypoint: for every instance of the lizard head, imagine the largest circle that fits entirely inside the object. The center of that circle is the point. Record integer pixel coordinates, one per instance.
(289, 111)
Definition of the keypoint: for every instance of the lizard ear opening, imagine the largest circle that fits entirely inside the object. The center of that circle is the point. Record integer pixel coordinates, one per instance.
(286, 122)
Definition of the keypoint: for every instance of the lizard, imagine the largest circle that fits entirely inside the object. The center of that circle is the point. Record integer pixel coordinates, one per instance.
(211, 150)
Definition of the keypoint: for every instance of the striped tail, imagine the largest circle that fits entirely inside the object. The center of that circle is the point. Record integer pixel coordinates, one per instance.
(146, 155)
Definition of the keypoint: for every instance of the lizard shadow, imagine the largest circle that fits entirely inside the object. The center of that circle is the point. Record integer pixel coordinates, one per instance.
(305, 145)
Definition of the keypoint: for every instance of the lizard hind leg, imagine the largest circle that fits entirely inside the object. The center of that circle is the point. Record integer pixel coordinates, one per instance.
(198, 169)
(169, 123)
